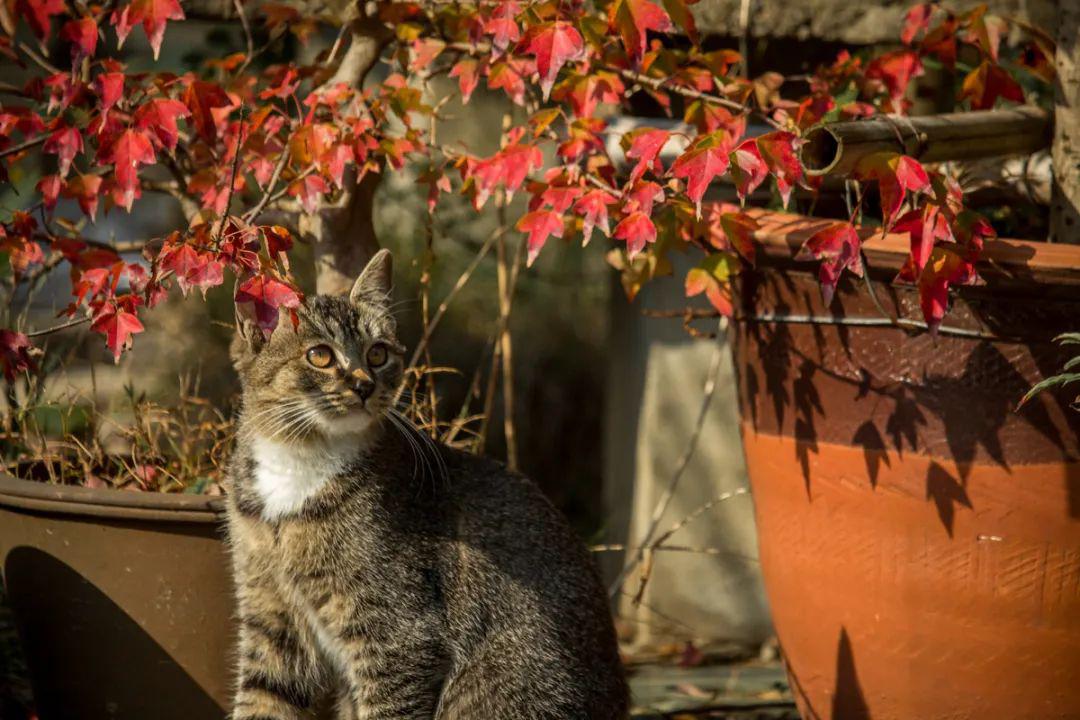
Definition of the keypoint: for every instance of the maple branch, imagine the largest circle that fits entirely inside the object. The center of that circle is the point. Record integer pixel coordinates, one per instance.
(38, 59)
(481, 49)
(58, 328)
(253, 213)
(250, 55)
(14, 149)
(343, 230)
(462, 280)
(232, 174)
(659, 84)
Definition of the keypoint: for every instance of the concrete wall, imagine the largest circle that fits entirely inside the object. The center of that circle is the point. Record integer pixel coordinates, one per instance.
(654, 396)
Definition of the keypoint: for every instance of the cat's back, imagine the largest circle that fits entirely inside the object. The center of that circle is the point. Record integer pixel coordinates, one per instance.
(525, 593)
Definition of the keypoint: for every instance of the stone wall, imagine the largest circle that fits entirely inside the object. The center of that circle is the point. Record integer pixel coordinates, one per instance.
(850, 21)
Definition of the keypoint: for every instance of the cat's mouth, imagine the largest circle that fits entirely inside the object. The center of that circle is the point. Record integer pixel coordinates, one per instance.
(348, 418)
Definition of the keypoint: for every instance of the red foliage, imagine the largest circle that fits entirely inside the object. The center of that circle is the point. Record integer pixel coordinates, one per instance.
(229, 138)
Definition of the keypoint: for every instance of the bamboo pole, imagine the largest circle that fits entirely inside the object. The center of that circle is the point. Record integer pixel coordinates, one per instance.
(836, 148)
(1065, 207)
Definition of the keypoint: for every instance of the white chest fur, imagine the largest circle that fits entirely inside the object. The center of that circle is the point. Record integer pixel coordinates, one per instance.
(287, 476)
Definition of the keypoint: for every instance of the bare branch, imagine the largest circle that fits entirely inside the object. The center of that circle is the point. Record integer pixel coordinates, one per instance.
(680, 467)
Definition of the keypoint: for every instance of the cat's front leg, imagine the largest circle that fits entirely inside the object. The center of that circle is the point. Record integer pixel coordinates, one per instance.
(400, 679)
(277, 677)
(279, 672)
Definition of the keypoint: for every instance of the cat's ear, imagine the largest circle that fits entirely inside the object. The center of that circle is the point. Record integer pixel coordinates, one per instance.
(249, 339)
(375, 282)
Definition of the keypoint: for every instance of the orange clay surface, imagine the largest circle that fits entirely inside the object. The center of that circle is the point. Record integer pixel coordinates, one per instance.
(935, 593)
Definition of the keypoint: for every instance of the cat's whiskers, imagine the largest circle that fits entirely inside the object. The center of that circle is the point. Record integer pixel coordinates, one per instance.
(428, 445)
(412, 444)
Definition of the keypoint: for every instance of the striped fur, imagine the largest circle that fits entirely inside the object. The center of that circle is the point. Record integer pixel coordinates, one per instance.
(416, 581)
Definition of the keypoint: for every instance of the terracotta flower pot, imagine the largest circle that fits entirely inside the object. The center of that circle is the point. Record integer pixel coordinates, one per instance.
(920, 539)
(123, 601)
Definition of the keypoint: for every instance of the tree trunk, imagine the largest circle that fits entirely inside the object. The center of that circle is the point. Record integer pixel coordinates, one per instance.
(343, 231)
(1065, 208)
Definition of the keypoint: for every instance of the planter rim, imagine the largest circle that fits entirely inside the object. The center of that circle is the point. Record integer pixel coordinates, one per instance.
(108, 503)
(1040, 263)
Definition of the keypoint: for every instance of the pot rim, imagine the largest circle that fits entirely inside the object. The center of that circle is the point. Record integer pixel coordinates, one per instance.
(780, 235)
(40, 496)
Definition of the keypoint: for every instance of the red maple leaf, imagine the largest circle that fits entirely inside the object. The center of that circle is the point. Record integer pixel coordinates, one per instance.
(153, 14)
(110, 88)
(633, 19)
(915, 21)
(38, 14)
(84, 189)
(159, 117)
(706, 158)
(553, 44)
(645, 145)
(202, 99)
(308, 190)
(895, 174)
(642, 196)
(748, 169)
(636, 230)
(540, 224)
(838, 246)
(712, 277)
(502, 27)
(585, 92)
(118, 325)
(988, 82)
(65, 143)
(467, 71)
(49, 187)
(593, 207)
(191, 267)
(126, 154)
(266, 297)
(15, 349)
(679, 11)
(778, 151)
(926, 226)
(509, 76)
(943, 269)
(895, 70)
(739, 229)
(424, 52)
(558, 197)
(83, 36)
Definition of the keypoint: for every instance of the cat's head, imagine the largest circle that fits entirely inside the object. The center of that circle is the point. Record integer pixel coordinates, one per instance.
(334, 375)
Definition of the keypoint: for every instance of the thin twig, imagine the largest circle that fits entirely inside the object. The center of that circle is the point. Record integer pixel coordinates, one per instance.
(232, 174)
(38, 59)
(680, 467)
(247, 37)
(58, 328)
(265, 199)
(32, 142)
(462, 280)
(505, 339)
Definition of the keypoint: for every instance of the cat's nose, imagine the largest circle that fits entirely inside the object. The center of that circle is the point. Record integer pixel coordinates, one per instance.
(362, 384)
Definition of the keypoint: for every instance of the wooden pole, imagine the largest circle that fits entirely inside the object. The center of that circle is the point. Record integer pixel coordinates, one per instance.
(836, 148)
(1065, 205)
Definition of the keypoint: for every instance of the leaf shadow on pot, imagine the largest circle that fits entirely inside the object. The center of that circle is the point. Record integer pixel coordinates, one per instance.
(946, 492)
(88, 658)
(848, 700)
(849, 703)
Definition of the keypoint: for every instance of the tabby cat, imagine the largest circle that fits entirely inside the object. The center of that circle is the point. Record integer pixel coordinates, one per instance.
(406, 578)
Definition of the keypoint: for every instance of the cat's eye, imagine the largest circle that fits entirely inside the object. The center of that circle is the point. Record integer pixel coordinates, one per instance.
(321, 356)
(377, 355)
